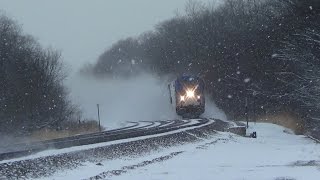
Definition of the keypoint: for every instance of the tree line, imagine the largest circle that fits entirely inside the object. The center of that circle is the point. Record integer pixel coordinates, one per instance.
(32, 95)
(265, 52)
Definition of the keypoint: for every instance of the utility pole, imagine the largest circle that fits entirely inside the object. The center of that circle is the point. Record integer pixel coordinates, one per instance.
(99, 117)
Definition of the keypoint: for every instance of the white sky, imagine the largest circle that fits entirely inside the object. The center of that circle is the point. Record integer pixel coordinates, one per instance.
(83, 29)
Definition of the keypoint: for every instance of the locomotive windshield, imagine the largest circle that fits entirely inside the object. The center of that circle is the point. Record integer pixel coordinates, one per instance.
(189, 82)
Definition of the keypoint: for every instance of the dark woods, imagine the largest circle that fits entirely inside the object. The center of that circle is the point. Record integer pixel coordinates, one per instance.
(264, 50)
(31, 93)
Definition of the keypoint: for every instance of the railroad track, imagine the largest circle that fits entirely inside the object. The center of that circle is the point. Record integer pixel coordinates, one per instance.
(137, 129)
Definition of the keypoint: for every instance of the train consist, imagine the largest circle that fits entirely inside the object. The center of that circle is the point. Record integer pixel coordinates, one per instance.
(187, 96)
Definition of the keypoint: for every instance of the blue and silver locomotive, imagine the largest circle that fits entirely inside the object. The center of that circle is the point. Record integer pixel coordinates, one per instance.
(187, 96)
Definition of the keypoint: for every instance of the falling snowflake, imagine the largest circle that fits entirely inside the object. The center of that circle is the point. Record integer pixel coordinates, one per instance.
(133, 62)
(238, 72)
(229, 96)
(247, 80)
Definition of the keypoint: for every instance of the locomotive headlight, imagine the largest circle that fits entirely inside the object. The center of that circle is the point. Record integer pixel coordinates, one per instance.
(181, 98)
(190, 94)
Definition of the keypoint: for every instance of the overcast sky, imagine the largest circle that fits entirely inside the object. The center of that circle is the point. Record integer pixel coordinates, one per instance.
(83, 29)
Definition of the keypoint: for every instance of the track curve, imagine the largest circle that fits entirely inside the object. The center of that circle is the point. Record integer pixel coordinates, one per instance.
(137, 129)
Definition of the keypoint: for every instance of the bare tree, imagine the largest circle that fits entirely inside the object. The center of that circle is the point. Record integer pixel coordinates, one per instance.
(303, 50)
(32, 93)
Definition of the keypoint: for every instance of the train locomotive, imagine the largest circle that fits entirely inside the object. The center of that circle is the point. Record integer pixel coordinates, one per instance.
(187, 96)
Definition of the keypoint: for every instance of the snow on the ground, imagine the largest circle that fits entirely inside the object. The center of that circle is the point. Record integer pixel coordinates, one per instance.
(275, 154)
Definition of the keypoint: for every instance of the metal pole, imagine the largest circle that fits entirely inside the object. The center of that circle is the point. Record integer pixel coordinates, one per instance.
(247, 118)
(99, 117)
(254, 108)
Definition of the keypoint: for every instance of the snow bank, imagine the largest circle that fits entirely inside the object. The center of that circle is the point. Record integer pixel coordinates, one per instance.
(273, 155)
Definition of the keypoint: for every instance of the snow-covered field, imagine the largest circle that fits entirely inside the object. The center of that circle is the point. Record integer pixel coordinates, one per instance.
(275, 154)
